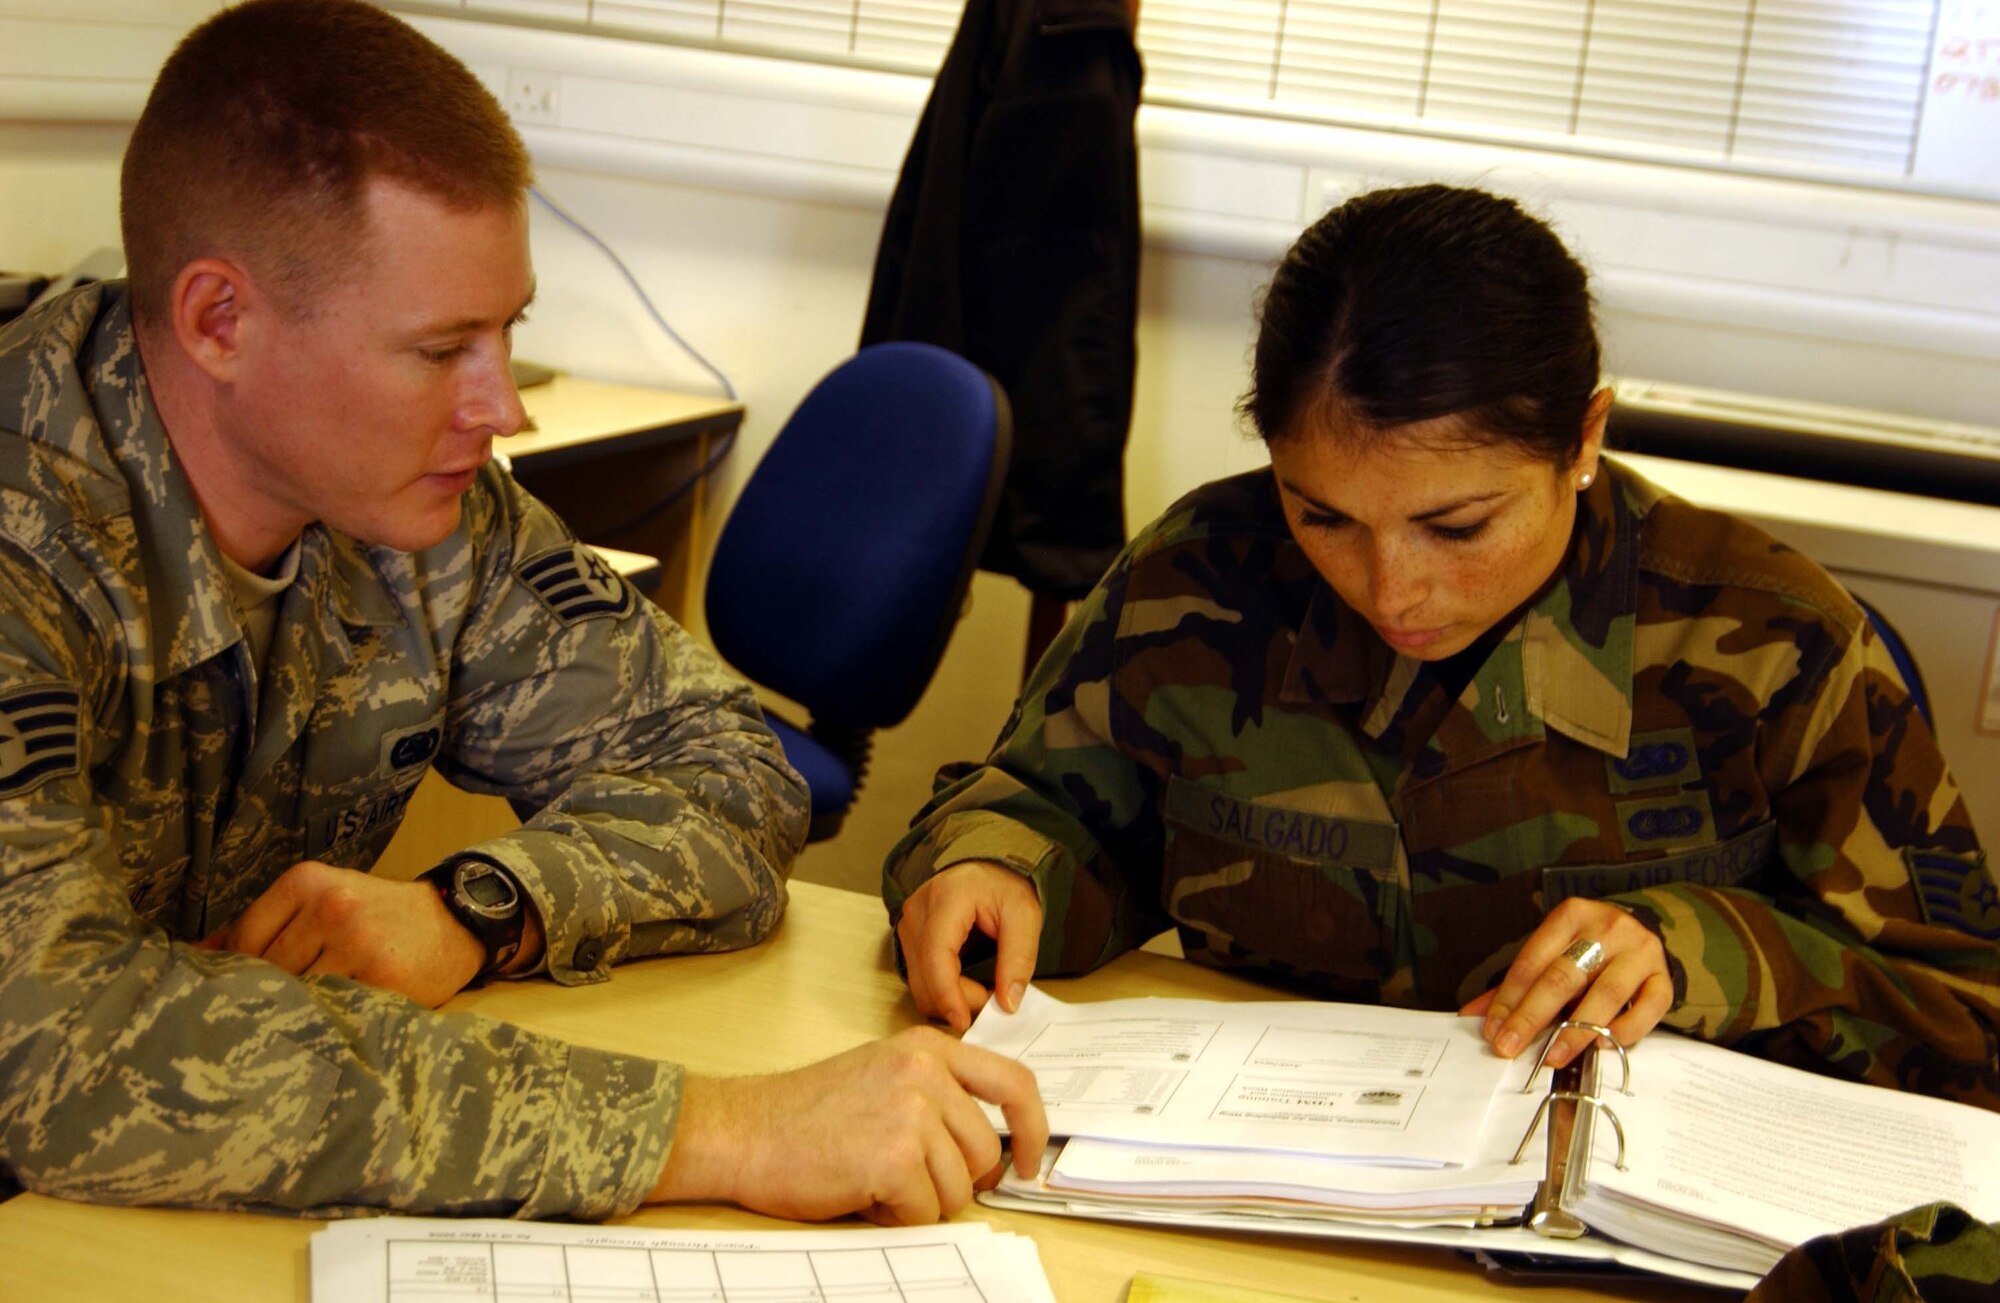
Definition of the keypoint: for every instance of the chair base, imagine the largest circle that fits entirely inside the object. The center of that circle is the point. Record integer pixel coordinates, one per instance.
(826, 824)
(832, 773)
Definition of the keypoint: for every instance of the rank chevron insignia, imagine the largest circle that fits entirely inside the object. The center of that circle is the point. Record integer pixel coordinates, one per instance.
(38, 726)
(575, 584)
(1956, 891)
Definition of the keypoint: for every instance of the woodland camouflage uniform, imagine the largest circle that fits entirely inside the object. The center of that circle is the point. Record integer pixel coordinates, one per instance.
(1692, 722)
(153, 782)
(1933, 1254)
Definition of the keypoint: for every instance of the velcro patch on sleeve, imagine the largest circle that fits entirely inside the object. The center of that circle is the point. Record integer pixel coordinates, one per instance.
(576, 585)
(38, 735)
(1955, 891)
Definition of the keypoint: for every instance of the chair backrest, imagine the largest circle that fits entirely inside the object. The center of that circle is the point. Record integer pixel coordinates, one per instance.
(846, 559)
(1899, 652)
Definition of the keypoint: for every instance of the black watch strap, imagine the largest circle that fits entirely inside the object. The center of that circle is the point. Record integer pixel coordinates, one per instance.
(487, 901)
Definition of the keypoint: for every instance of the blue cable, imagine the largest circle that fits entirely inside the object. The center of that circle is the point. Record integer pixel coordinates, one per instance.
(633, 281)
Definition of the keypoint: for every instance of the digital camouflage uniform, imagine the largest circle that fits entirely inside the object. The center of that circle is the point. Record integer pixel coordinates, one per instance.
(1693, 722)
(153, 782)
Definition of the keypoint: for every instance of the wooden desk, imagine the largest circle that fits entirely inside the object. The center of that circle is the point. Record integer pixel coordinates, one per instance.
(574, 418)
(822, 984)
(604, 454)
(636, 568)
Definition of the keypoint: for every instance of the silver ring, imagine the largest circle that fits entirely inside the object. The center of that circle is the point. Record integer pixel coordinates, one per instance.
(1588, 956)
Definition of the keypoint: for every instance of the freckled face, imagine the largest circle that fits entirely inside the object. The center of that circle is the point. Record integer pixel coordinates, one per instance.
(1433, 542)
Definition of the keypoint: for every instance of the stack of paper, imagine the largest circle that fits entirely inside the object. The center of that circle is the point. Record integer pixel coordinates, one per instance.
(1296, 1184)
(425, 1260)
(1369, 1123)
(1364, 1114)
(1742, 1159)
(1496, 1241)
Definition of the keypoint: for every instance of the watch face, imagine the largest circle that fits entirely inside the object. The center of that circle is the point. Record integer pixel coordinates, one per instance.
(486, 890)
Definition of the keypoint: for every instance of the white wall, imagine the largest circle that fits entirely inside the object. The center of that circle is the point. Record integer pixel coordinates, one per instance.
(58, 192)
(747, 195)
(770, 290)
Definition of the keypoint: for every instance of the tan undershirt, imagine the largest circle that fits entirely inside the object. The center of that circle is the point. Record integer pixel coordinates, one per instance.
(258, 599)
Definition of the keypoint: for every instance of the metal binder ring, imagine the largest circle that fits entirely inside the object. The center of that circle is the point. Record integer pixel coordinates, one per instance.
(1588, 956)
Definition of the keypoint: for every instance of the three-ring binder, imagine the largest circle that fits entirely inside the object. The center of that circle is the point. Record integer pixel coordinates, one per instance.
(1571, 1107)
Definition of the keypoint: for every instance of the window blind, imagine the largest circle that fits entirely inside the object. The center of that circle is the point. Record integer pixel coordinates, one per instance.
(1793, 87)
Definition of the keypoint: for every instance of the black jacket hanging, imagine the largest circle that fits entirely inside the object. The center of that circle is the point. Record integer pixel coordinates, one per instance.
(1013, 240)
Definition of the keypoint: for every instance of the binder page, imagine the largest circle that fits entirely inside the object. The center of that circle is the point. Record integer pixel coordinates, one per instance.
(1349, 1081)
(427, 1260)
(1484, 1239)
(1488, 1180)
(1770, 1156)
(1165, 1175)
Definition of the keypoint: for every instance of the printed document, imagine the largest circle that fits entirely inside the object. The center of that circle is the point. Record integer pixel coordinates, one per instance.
(1488, 1186)
(1734, 1160)
(1338, 1080)
(431, 1260)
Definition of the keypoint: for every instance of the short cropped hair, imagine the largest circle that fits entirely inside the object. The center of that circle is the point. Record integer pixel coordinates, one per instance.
(1428, 304)
(266, 125)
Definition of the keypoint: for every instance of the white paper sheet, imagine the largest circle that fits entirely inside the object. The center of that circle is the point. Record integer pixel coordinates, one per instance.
(1771, 1156)
(1488, 1180)
(1387, 1085)
(437, 1260)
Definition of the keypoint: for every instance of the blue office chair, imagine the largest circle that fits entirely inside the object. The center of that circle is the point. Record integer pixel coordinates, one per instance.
(1899, 652)
(845, 562)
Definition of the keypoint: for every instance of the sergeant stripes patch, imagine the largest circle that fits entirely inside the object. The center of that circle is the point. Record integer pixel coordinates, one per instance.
(1956, 891)
(575, 584)
(38, 728)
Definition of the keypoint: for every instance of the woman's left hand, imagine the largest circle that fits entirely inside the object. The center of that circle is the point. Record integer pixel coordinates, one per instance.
(1629, 992)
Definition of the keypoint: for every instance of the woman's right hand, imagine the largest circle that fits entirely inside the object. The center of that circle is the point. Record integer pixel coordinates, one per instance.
(940, 915)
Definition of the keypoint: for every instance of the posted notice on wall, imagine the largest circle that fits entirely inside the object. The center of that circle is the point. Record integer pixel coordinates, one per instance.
(1960, 137)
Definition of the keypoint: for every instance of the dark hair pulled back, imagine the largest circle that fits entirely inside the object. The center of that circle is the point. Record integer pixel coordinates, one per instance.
(1411, 305)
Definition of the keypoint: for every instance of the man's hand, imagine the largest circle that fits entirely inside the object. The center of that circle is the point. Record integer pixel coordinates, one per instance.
(318, 919)
(1629, 994)
(888, 1130)
(940, 915)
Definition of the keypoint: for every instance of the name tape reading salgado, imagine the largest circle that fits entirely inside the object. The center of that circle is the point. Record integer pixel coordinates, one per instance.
(1279, 830)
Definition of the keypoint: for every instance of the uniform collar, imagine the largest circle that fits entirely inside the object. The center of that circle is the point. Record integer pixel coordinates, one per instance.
(1569, 656)
(187, 598)
(1577, 642)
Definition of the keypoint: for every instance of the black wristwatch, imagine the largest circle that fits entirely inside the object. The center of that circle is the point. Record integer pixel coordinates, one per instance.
(483, 896)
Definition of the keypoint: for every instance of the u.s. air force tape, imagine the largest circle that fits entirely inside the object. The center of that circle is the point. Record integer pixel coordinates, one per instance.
(575, 584)
(1724, 864)
(38, 727)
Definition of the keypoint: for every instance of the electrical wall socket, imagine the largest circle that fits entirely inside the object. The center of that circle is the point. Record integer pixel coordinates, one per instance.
(534, 97)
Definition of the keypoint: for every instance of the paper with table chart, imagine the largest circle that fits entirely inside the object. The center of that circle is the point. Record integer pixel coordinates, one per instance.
(438, 1260)
(1347, 1081)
